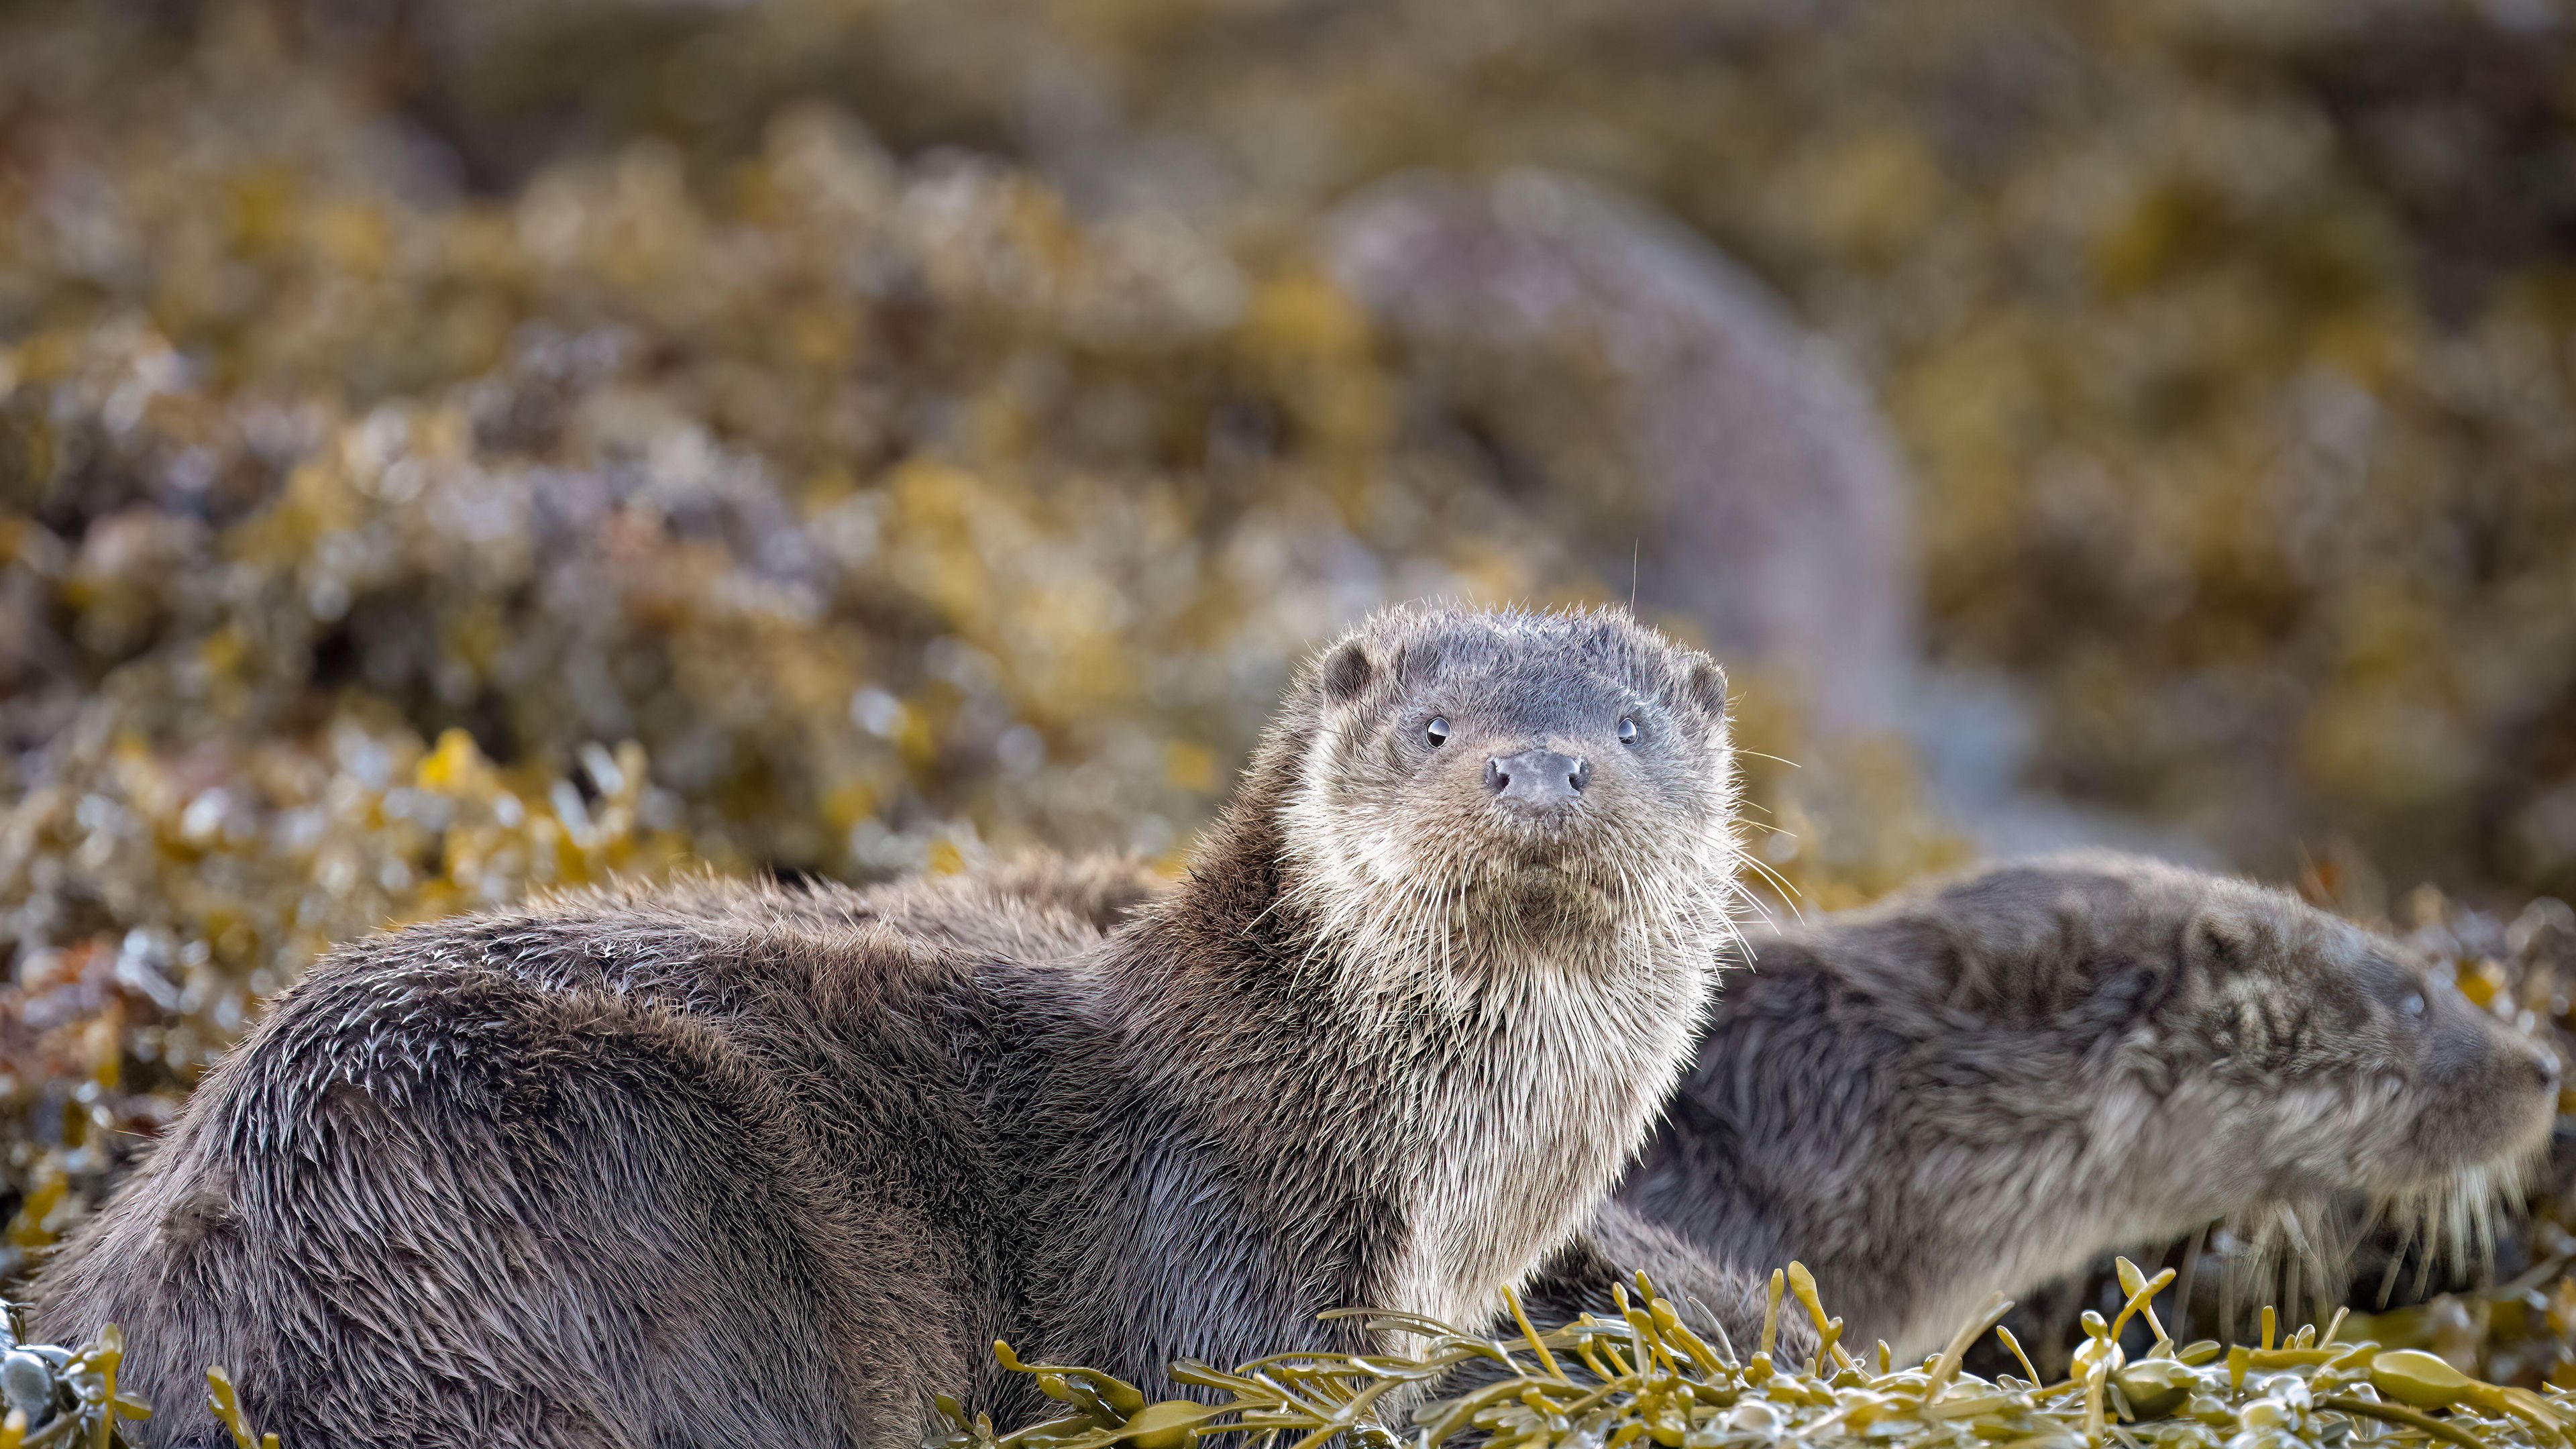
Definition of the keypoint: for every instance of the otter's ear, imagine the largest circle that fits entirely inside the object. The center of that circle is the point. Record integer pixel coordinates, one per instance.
(1707, 687)
(1345, 673)
(2221, 940)
(2128, 994)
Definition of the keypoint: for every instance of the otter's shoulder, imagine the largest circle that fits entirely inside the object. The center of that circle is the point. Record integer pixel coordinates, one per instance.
(1032, 909)
(699, 944)
(775, 971)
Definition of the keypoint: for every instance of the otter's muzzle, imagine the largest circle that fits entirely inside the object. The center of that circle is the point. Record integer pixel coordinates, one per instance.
(1540, 780)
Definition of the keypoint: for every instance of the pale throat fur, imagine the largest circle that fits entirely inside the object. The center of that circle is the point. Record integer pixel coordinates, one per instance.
(1540, 1052)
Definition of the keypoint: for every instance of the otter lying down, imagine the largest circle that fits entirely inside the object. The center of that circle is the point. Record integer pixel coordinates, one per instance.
(1986, 1083)
(729, 1166)
(730, 1163)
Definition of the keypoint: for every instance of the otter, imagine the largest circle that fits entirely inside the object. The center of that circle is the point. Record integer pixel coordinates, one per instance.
(730, 1164)
(1988, 1082)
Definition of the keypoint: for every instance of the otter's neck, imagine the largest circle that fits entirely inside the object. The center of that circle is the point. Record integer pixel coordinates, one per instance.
(1456, 1136)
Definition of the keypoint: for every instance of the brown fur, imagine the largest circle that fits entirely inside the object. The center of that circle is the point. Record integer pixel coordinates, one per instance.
(731, 1164)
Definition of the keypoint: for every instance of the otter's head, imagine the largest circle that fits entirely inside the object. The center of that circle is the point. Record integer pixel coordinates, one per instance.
(2280, 1064)
(2371, 1068)
(1463, 797)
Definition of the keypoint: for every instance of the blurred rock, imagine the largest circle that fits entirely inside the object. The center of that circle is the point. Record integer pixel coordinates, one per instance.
(1761, 496)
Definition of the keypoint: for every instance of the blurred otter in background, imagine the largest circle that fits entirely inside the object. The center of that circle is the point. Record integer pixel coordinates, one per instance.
(1722, 451)
(1986, 1083)
(728, 1164)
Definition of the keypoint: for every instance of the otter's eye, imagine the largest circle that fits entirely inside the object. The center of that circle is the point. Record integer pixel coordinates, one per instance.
(1437, 732)
(1627, 731)
(2413, 1005)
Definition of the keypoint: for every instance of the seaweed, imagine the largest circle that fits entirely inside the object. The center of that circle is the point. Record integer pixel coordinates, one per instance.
(1642, 1373)
(225, 1405)
(1639, 1374)
(59, 1398)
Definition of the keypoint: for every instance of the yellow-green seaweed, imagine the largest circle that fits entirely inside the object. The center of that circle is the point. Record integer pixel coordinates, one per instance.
(1644, 1375)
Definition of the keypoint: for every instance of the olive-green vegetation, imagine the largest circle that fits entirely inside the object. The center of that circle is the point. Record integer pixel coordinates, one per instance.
(1644, 1374)
(454, 448)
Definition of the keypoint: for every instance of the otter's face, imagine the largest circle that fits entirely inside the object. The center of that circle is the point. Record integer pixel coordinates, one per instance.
(1478, 792)
(2407, 1088)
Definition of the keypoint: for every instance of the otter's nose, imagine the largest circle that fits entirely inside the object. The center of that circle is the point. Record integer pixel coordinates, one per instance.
(1537, 777)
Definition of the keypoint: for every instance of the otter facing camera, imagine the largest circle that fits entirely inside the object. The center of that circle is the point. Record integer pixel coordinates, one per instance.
(974, 1097)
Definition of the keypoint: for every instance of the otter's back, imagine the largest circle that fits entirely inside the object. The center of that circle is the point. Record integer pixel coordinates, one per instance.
(552, 1177)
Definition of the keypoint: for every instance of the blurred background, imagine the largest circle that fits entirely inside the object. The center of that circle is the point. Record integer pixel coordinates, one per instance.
(450, 447)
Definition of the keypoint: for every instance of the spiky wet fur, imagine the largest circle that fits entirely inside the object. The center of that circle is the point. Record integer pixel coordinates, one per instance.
(1990, 1081)
(2298, 1252)
(731, 1164)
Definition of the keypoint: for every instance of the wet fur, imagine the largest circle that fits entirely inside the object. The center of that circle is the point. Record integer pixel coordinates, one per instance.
(732, 1164)
(1987, 1083)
